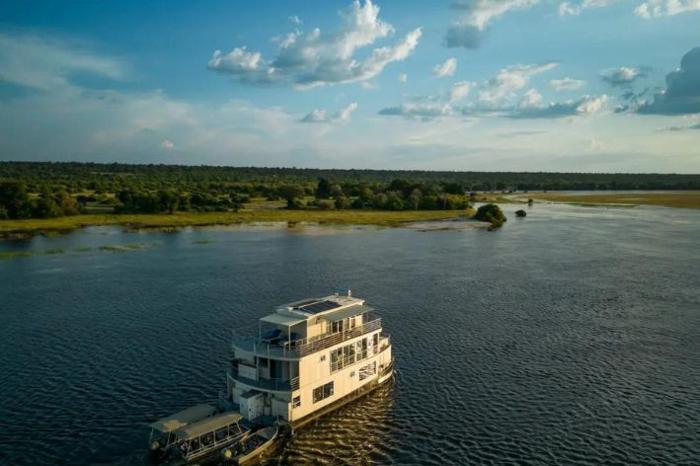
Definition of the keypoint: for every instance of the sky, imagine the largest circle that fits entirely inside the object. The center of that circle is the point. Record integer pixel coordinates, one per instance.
(486, 85)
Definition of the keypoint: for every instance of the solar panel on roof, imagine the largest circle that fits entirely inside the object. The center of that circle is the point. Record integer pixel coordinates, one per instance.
(319, 306)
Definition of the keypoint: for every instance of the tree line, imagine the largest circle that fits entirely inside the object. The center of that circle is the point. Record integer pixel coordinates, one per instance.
(46, 189)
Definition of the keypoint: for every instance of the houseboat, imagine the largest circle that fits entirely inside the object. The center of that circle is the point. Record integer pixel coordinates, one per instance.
(309, 358)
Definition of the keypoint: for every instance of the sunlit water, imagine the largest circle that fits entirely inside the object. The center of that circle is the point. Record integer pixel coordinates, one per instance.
(570, 336)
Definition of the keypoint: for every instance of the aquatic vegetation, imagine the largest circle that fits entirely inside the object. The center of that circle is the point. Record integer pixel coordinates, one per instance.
(682, 199)
(203, 241)
(123, 247)
(4, 255)
(520, 213)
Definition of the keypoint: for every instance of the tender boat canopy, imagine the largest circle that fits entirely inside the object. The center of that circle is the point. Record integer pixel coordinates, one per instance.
(351, 311)
(208, 425)
(281, 319)
(178, 420)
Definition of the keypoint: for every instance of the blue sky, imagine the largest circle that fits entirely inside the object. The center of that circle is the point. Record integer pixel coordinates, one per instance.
(532, 85)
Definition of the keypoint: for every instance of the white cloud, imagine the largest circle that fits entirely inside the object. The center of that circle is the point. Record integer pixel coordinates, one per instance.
(167, 144)
(294, 19)
(475, 17)
(48, 64)
(345, 113)
(421, 110)
(509, 80)
(460, 91)
(587, 105)
(306, 60)
(321, 116)
(403, 77)
(660, 8)
(566, 84)
(531, 98)
(575, 8)
(621, 76)
(445, 69)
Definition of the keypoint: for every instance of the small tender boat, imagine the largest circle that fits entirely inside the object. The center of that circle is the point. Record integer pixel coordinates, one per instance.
(251, 446)
(163, 430)
(199, 439)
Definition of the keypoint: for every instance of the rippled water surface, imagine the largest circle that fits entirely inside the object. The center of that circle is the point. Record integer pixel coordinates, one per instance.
(569, 337)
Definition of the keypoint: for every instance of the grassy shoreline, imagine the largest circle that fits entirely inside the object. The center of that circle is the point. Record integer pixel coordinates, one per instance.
(678, 199)
(9, 228)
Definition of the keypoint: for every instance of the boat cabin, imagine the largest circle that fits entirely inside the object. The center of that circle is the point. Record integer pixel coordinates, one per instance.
(163, 430)
(201, 438)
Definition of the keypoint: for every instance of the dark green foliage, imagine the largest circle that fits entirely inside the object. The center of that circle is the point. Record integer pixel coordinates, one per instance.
(29, 189)
(14, 199)
(521, 213)
(490, 213)
(323, 190)
(293, 194)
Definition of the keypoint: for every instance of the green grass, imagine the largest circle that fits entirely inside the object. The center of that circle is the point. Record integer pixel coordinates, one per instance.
(681, 199)
(183, 219)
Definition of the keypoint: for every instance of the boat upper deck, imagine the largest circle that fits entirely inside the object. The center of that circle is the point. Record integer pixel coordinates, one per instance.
(303, 327)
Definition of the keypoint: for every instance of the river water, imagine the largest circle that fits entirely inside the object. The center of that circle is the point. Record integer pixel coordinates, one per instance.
(571, 336)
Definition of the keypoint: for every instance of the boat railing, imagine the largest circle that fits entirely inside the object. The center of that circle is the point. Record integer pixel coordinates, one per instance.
(328, 340)
(304, 346)
(275, 384)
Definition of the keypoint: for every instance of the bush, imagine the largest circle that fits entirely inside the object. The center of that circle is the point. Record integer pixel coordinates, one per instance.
(342, 202)
(521, 213)
(324, 204)
(490, 213)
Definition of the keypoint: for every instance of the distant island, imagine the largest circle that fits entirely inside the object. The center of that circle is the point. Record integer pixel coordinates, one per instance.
(57, 196)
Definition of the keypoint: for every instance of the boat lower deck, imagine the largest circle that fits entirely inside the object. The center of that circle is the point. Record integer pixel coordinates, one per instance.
(350, 397)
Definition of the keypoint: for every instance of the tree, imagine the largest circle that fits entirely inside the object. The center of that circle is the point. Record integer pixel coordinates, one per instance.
(490, 213)
(415, 198)
(323, 190)
(15, 200)
(342, 202)
(336, 191)
(47, 207)
(292, 194)
(169, 201)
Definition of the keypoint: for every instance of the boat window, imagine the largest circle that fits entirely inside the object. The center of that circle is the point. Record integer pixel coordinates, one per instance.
(233, 429)
(368, 370)
(207, 439)
(194, 444)
(323, 392)
(221, 434)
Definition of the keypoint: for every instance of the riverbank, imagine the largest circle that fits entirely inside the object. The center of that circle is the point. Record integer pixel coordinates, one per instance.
(20, 228)
(679, 199)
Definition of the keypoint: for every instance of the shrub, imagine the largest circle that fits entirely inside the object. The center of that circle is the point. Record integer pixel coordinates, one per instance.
(490, 213)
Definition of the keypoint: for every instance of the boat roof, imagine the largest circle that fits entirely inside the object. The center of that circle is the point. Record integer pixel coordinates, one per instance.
(300, 311)
(283, 319)
(208, 425)
(351, 311)
(187, 416)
